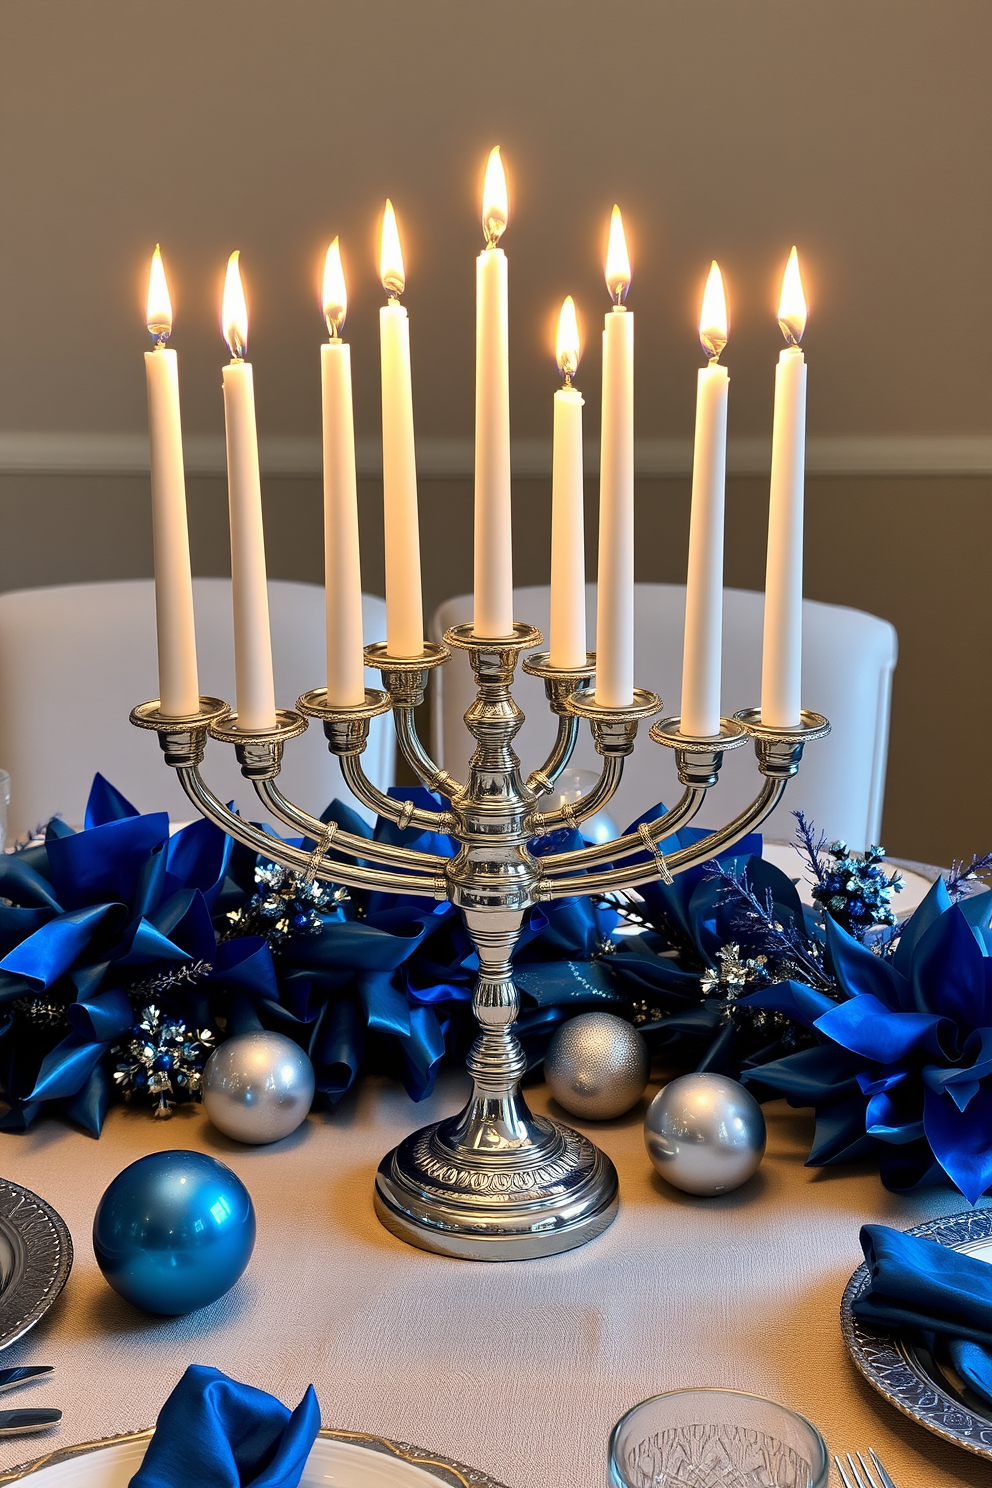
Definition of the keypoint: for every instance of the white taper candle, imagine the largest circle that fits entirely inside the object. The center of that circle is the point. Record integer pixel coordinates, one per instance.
(567, 639)
(493, 531)
(342, 558)
(401, 526)
(615, 606)
(252, 641)
(178, 687)
(781, 667)
(701, 657)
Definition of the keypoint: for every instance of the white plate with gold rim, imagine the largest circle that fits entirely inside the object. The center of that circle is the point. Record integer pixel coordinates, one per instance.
(338, 1459)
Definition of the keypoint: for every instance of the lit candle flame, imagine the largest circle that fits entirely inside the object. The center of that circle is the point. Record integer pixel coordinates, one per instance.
(159, 312)
(617, 260)
(495, 203)
(714, 323)
(567, 347)
(792, 304)
(391, 270)
(334, 294)
(234, 310)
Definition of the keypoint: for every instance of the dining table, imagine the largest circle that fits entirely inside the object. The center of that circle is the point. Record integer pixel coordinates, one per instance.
(519, 1369)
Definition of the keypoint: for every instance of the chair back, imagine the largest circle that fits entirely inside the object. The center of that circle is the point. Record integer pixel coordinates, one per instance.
(848, 660)
(74, 660)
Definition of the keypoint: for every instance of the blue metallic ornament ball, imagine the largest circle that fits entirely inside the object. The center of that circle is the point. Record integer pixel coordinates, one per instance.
(174, 1231)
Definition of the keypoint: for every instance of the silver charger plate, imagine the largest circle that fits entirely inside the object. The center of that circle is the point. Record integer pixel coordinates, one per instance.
(338, 1459)
(921, 1385)
(35, 1259)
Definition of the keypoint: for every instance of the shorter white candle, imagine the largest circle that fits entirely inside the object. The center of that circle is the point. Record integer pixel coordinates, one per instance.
(342, 559)
(701, 657)
(256, 707)
(781, 669)
(615, 603)
(178, 687)
(567, 644)
(401, 526)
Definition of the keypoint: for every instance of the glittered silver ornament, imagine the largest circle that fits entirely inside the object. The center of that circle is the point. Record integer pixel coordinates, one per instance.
(257, 1087)
(705, 1134)
(596, 1066)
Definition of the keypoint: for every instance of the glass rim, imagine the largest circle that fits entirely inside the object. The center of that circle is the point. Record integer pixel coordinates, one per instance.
(819, 1481)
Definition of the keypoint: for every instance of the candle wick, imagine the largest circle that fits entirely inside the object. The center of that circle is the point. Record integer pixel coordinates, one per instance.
(714, 360)
(159, 338)
(568, 379)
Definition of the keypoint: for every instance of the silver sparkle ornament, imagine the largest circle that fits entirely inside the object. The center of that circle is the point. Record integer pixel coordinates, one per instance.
(596, 1066)
(257, 1087)
(705, 1134)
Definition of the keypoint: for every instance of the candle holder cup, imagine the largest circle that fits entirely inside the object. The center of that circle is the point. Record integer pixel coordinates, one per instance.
(495, 1181)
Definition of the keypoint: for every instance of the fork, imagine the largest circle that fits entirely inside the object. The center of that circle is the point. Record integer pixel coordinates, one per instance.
(861, 1475)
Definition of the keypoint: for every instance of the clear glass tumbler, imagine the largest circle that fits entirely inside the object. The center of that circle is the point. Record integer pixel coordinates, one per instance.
(715, 1439)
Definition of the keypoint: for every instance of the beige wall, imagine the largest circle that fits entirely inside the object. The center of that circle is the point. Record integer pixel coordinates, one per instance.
(727, 128)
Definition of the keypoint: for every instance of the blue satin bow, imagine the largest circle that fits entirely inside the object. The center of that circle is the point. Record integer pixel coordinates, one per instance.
(214, 1430)
(904, 1068)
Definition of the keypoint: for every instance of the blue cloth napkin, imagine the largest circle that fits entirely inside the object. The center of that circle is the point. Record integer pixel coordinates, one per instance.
(929, 1290)
(213, 1430)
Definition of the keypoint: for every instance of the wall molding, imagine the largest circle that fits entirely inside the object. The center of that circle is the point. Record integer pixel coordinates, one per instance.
(451, 459)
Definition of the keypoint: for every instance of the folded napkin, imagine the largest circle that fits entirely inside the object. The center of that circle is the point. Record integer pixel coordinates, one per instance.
(926, 1289)
(213, 1430)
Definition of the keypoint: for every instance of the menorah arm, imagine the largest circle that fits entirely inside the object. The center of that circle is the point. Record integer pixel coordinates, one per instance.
(621, 847)
(315, 864)
(574, 812)
(666, 867)
(404, 813)
(542, 781)
(343, 842)
(416, 756)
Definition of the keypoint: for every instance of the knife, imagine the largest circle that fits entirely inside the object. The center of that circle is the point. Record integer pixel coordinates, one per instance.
(15, 1422)
(11, 1378)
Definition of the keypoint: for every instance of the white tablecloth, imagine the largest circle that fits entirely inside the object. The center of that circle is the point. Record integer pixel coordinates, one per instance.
(519, 1369)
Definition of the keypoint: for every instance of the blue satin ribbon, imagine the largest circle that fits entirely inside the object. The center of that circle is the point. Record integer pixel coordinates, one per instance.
(215, 1430)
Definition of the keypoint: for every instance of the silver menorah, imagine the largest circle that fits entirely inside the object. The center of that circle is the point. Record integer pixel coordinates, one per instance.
(494, 1182)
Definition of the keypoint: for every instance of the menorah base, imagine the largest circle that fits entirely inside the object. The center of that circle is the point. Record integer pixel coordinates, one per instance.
(552, 1191)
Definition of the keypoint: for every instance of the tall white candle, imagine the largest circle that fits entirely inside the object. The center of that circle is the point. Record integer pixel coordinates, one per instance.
(567, 641)
(615, 606)
(781, 668)
(342, 559)
(401, 529)
(701, 658)
(493, 534)
(252, 643)
(178, 687)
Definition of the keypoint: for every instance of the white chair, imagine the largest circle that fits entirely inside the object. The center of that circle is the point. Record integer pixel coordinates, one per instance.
(848, 659)
(75, 659)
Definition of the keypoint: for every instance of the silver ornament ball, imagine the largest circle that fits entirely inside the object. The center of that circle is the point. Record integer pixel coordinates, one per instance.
(257, 1087)
(705, 1134)
(596, 1066)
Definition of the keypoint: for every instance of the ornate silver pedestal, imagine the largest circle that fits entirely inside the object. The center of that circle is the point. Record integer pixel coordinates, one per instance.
(494, 1182)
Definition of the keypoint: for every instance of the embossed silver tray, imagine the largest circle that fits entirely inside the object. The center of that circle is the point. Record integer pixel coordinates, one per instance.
(347, 1459)
(35, 1259)
(917, 1383)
